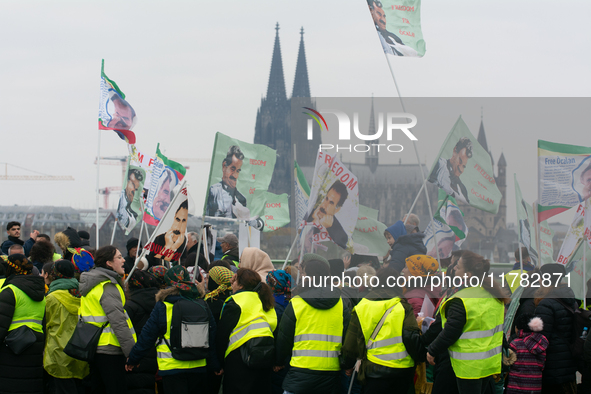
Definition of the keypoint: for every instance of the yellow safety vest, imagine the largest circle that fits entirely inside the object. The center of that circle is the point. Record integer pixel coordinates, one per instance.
(226, 257)
(2, 280)
(165, 360)
(318, 336)
(254, 322)
(26, 311)
(387, 348)
(478, 351)
(92, 312)
(511, 278)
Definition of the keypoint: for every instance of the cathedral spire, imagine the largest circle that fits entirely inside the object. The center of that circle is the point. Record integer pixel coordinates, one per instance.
(371, 156)
(276, 88)
(482, 139)
(301, 85)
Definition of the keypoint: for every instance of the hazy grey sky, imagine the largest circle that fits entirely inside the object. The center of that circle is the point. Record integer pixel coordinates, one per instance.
(193, 68)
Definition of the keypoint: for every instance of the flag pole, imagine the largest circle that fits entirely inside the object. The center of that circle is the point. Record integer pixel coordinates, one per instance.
(293, 244)
(584, 274)
(196, 269)
(537, 235)
(113, 233)
(137, 255)
(417, 154)
(98, 167)
(414, 202)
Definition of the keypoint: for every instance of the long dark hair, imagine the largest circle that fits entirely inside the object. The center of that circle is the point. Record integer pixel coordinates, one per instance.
(104, 254)
(478, 266)
(251, 280)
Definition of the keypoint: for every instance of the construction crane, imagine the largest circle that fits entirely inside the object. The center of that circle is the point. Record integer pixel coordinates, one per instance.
(40, 177)
(106, 192)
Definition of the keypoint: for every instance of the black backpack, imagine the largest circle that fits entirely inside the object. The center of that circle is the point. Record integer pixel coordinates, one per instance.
(581, 319)
(189, 330)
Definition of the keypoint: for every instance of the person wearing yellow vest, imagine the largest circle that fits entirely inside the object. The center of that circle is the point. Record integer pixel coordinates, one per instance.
(102, 302)
(472, 328)
(178, 377)
(245, 335)
(22, 303)
(388, 360)
(311, 332)
(61, 317)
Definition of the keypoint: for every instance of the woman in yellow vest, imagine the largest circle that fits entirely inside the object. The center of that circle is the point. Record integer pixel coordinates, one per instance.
(245, 335)
(311, 332)
(61, 316)
(102, 303)
(472, 327)
(388, 351)
(22, 303)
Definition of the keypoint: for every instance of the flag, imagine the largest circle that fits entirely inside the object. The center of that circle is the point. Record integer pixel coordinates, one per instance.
(565, 177)
(573, 238)
(302, 193)
(239, 177)
(450, 214)
(525, 223)
(333, 205)
(169, 239)
(164, 184)
(546, 247)
(137, 175)
(439, 235)
(398, 24)
(115, 113)
(574, 270)
(368, 237)
(463, 169)
(276, 212)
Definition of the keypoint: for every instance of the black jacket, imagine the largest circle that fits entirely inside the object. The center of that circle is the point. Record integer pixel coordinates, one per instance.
(302, 380)
(355, 343)
(558, 325)
(22, 373)
(139, 305)
(406, 246)
(439, 339)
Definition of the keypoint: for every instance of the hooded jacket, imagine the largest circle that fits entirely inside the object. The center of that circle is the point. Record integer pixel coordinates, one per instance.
(355, 344)
(61, 317)
(526, 372)
(22, 373)
(558, 325)
(257, 260)
(301, 380)
(406, 246)
(112, 304)
(155, 328)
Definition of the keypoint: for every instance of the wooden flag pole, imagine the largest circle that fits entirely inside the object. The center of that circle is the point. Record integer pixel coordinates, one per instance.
(98, 167)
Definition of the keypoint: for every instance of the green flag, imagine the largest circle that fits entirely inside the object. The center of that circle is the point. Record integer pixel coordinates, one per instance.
(464, 170)
(276, 212)
(449, 213)
(526, 223)
(368, 237)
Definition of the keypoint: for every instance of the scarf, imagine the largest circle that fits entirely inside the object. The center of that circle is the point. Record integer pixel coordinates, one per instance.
(16, 240)
(221, 276)
(179, 277)
(70, 284)
(280, 283)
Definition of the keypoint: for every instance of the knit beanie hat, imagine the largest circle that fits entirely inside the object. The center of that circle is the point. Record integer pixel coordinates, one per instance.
(313, 256)
(421, 265)
(143, 280)
(131, 243)
(63, 269)
(18, 265)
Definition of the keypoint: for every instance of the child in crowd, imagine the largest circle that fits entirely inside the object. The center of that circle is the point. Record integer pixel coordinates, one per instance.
(529, 346)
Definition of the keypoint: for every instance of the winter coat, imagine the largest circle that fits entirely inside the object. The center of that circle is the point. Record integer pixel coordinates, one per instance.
(27, 245)
(355, 343)
(526, 306)
(455, 312)
(416, 297)
(558, 325)
(155, 328)
(112, 305)
(526, 373)
(61, 317)
(216, 305)
(280, 304)
(139, 305)
(22, 373)
(406, 246)
(302, 380)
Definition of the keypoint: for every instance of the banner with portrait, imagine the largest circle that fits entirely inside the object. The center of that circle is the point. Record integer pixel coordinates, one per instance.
(526, 224)
(573, 238)
(565, 177)
(164, 184)
(115, 113)
(440, 236)
(333, 205)
(398, 24)
(137, 176)
(546, 244)
(169, 239)
(463, 169)
(239, 177)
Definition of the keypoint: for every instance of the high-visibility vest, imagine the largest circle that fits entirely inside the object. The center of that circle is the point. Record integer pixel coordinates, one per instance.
(2, 280)
(478, 351)
(318, 336)
(387, 348)
(26, 311)
(515, 280)
(92, 312)
(254, 321)
(165, 360)
(226, 257)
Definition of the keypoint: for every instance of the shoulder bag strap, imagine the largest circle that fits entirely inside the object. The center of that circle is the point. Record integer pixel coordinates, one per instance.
(379, 326)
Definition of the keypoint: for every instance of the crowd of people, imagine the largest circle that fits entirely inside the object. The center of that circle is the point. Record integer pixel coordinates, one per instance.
(239, 325)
